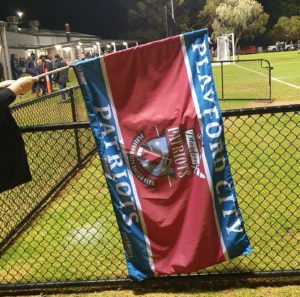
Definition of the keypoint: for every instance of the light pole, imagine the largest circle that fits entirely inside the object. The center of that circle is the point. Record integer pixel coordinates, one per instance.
(114, 46)
(99, 48)
(172, 10)
(170, 29)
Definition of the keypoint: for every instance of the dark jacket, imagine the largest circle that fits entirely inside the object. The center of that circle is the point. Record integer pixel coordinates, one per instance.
(15, 67)
(60, 77)
(14, 169)
(31, 67)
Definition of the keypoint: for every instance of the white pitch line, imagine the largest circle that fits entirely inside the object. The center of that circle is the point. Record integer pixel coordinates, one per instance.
(283, 77)
(275, 64)
(273, 78)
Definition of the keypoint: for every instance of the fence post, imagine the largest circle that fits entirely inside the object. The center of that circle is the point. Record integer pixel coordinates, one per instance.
(74, 119)
(222, 79)
(270, 81)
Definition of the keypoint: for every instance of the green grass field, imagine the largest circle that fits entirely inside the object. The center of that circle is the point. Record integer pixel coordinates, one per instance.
(285, 79)
(76, 237)
(286, 67)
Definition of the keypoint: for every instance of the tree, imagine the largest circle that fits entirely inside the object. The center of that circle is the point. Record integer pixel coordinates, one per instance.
(294, 33)
(245, 18)
(286, 28)
(207, 15)
(146, 18)
(186, 14)
(278, 8)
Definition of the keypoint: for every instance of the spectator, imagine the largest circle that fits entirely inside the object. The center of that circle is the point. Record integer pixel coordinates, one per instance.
(61, 77)
(22, 64)
(238, 52)
(40, 90)
(31, 69)
(45, 66)
(15, 67)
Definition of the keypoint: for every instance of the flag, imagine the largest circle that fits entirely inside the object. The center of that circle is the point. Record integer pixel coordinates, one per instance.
(158, 130)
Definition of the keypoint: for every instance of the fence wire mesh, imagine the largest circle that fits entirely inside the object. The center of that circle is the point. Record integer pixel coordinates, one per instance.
(243, 79)
(57, 108)
(61, 227)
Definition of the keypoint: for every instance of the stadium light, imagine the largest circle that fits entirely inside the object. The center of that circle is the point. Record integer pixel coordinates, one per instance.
(20, 14)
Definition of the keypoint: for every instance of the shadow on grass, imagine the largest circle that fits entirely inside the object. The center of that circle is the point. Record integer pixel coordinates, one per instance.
(191, 285)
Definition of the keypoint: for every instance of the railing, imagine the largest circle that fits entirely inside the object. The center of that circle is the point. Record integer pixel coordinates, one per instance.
(60, 230)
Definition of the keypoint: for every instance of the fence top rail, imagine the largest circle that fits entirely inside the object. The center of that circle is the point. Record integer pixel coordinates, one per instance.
(261, 110)
(226, 113)
(242, 60)
(42, 98)
(54, 127)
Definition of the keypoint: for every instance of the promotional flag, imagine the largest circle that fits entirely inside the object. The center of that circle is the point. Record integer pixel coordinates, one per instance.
(158, 130)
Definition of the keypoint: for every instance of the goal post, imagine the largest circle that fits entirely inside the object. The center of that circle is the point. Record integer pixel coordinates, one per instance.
(225, 47)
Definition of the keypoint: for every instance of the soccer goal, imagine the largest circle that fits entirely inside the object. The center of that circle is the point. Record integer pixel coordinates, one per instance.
(225, 47)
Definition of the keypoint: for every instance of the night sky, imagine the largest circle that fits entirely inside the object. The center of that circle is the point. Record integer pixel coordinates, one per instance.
(105, 18)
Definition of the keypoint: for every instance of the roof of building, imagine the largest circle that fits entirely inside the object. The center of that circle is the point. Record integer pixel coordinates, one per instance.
(85, 39)
(46, 32)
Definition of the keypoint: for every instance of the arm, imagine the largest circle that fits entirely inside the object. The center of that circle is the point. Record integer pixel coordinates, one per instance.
(8, 94)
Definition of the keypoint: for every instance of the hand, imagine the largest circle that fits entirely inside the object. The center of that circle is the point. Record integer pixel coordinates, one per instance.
(22, 85)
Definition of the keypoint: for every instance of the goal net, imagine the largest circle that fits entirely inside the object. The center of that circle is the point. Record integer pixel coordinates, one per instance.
(225, 47)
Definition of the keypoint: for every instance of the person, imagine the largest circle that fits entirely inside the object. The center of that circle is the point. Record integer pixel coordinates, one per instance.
(14, 169)
(15, 68)
(238, 52)
(40, 89)
(31, 68)
(46, 66)
(60, 77)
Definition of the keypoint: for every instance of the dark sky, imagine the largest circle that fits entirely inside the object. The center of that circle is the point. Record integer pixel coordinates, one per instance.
(105, 18)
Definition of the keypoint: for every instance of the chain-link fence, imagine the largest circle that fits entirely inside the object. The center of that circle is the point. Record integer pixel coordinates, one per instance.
(243, 79)
(57, 108)
(60, 229)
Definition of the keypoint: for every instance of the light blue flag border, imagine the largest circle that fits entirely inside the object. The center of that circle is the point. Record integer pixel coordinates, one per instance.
(233, 237)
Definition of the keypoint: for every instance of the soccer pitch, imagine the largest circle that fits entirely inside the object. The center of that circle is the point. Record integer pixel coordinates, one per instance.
(285, 75)
(285, 80)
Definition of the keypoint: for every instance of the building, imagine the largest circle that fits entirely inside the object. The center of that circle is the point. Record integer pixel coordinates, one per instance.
(70, 45)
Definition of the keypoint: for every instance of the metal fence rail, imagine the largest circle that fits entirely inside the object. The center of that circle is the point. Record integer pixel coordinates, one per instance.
(66, 230)
(243, 79)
